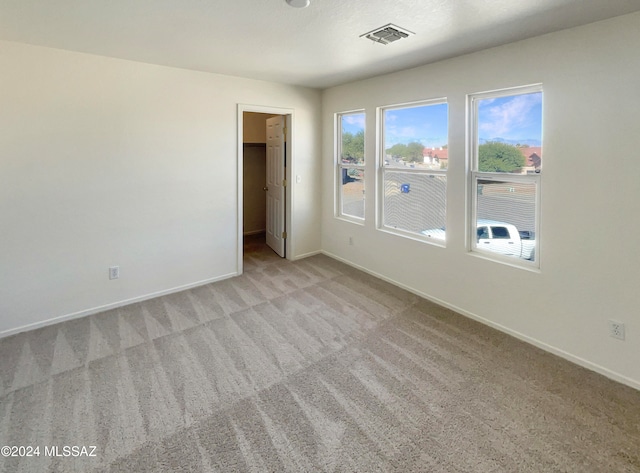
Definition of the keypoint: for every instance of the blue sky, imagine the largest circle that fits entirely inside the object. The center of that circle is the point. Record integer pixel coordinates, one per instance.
(517, 117)
(427, 124)
(352, 123)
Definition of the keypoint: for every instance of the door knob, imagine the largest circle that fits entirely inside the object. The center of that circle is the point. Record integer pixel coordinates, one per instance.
(265, 189)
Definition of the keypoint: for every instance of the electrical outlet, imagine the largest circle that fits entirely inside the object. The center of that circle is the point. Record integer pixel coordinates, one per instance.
(114, 272)
(616, 329)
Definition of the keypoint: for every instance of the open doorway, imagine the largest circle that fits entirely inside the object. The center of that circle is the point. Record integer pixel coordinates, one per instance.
(264, 160)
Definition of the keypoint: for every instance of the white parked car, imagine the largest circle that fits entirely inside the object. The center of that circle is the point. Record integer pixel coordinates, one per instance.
(500, 237)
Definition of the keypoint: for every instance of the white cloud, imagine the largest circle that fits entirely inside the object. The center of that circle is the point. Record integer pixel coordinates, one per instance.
(355, 120)
(501, 119)
(417, 124)
(390, 117)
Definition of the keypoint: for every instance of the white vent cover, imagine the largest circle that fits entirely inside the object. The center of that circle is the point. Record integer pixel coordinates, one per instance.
(387, 34)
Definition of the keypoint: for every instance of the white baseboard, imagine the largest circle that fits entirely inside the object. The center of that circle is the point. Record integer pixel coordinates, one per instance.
(520, 336)
(306, 255)
(113, 305)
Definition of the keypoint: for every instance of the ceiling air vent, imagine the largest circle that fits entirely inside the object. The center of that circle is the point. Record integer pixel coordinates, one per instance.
(387, 34)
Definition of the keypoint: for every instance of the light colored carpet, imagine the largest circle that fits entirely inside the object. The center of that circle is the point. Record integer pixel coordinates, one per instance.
(307, 366)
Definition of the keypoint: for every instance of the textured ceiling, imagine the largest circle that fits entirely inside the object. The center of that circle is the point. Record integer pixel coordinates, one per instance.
(266, 39)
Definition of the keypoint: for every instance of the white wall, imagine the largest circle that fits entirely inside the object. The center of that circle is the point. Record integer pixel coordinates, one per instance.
(590, 192)
(110, 162)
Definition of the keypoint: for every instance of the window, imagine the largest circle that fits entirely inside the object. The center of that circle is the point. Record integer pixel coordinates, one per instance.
(506, 166)
(413, 166)
(350, 165)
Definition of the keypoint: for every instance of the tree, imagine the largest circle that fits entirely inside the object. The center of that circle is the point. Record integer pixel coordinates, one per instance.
(353, 147)
(398, 150)
(499, 157)
(411, 152)
(415, 152)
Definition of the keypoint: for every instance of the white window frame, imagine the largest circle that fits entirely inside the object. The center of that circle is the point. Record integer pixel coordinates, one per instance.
(339, 166)
(382, 169)
(474, 175)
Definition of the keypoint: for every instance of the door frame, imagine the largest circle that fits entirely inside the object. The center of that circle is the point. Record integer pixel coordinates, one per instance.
(289, 114)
